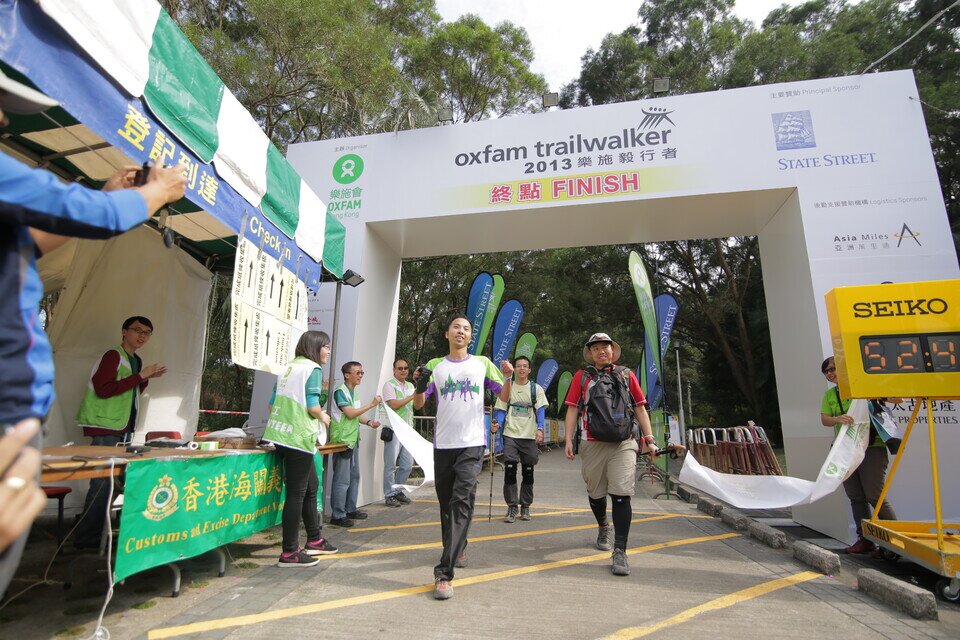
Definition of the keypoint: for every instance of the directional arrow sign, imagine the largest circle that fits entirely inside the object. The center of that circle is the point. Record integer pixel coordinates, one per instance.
(246, 326)
(268, 342)
(271, 285)
(280, 300)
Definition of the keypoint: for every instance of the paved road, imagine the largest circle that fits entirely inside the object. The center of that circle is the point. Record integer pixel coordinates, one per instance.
(691, 577)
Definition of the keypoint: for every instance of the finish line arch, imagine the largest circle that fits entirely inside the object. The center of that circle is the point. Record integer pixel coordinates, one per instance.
(835, 176)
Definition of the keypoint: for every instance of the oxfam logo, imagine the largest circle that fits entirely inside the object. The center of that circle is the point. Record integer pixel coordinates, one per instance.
(348, 168)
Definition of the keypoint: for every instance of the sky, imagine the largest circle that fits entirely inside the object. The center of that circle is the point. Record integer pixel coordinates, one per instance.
(562, 30)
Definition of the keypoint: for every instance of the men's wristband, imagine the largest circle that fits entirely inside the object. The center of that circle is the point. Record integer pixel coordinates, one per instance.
(649, 439)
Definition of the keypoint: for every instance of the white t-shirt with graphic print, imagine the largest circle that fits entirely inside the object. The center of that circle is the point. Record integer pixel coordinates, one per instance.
(458, 386)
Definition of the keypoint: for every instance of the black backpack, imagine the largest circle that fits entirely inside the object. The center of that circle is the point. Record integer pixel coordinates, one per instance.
(608, 404)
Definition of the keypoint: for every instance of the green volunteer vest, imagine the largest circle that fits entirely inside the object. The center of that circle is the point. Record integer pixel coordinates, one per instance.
(290, 423)
(344, 430)
(406, 411)
(108, 413)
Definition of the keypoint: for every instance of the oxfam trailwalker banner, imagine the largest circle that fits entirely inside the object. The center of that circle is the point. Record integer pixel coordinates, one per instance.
(648, 314)
(482, 303)
(179, 508)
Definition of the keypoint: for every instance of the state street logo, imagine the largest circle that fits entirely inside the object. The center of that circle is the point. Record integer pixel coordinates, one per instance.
(654, 117)
(348, 168)
(793, 130)
(907, 234)
(162, 500)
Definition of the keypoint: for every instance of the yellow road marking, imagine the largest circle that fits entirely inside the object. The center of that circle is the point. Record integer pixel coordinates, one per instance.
(478, 518)
(280, 614)
(505, 536)
(716, 604)
(503, 505)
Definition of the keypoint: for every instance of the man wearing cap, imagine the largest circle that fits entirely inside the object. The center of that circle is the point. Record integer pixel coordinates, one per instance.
(36, 211)
(607, 467)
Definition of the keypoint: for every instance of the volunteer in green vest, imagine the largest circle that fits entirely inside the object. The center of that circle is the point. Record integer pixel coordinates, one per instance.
(108, 414)
(345, 429)
(397, 461)
(523, 424)
(864, 485)
(296, 425)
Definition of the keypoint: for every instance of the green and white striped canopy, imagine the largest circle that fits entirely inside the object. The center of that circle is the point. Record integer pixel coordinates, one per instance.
(137, 44)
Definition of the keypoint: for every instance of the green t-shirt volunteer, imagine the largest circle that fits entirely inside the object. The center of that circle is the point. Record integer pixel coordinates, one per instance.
(835, 406)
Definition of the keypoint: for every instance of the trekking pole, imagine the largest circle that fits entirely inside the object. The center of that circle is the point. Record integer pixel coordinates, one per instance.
(490, 501)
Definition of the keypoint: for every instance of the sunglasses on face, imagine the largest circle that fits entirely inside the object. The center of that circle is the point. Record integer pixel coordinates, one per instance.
(830, 370)
(403, 368)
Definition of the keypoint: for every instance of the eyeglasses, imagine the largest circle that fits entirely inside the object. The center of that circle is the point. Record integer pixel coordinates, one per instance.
(403, 368)
(359, 373)
(141, 332)
(830, 370)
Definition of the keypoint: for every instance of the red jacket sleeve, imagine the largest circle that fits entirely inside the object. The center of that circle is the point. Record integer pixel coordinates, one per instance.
(575, 392)
(636, 391)
(105, 384)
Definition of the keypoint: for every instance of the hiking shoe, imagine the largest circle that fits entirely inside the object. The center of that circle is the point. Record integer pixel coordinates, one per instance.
(402, 498)
(357, 515)
(620, 566)
(342, 522)
(296, 559)
(511, 514)
(392, 501)
(321, 547)
(603, 538)
(461, 561)
(524, 512)
(442, 589)
(862, 545)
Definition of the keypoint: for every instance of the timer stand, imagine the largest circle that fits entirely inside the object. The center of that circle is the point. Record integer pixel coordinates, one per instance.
(937, 550)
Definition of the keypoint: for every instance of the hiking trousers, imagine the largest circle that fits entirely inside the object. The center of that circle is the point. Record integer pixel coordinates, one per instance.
(455, 473)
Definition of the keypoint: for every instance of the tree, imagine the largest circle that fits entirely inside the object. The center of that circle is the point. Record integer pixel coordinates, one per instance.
(479, 71)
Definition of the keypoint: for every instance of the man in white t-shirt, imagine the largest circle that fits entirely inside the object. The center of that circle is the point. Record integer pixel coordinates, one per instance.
(458, 382)
(397, 461)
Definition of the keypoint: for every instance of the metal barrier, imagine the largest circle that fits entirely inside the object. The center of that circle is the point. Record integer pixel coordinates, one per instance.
(739, 450)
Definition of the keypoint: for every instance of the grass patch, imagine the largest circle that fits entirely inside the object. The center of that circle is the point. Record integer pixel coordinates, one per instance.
(81, 609)
(198, 584)
(147, 604)
(70, 632)
(247, 565)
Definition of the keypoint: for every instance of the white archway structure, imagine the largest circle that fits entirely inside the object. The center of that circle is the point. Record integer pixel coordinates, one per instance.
(835, 176)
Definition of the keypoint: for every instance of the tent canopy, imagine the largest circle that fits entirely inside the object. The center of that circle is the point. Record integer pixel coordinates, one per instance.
(180, 113)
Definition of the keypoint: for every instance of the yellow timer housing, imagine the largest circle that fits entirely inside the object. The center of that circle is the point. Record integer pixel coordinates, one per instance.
(897, 340)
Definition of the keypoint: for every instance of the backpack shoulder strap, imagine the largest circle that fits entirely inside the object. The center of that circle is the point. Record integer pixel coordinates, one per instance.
(533, 395)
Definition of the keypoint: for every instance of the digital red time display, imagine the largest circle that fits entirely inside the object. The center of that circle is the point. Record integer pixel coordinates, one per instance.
(911, 353)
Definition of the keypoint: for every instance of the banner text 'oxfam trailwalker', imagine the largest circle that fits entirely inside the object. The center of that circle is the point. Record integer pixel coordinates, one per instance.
(179, 508)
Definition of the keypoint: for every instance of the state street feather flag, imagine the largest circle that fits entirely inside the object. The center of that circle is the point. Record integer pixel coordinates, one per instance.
(545, 374)
(526, 345)
(778, 492)
(478, 299)
(138, 45)
(562, 387)
(506, 329)
(648, 315)
(667, 308)
(482, 303)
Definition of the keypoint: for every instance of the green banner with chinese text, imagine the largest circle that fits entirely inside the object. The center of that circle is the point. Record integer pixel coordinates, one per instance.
(176, 508)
